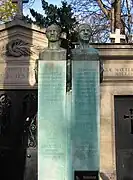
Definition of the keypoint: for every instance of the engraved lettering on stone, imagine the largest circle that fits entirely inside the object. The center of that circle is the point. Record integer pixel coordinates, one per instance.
(118, 71)
(13, 74)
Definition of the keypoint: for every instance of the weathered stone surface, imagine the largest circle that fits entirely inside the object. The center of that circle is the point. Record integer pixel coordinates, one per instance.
(16, 69)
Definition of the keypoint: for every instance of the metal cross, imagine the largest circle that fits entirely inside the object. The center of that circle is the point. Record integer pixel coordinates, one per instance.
(130, 117)
(20, 6)
(117, 36)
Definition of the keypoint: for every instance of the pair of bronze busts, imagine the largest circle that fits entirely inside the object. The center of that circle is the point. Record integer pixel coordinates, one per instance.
(53, 34)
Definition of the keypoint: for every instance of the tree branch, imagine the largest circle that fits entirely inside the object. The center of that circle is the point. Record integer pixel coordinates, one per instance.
(102, 7)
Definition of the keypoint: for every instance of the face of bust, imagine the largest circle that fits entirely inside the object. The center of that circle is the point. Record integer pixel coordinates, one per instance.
(53, 33)
(84, 33)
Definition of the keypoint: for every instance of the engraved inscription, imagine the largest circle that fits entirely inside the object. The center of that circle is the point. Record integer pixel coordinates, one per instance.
(84, 175)
(13, 74)
(85, 87)
(52, 92)
(118, 71)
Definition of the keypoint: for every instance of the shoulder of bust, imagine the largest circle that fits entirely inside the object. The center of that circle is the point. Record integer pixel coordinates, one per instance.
(53, 50)
(91, 49)
(47, 51)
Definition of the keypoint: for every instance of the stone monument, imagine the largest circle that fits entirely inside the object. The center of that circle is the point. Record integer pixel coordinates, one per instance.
(85, 108)
(52, 125)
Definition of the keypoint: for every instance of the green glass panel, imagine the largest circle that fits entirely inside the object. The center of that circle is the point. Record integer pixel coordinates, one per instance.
(85, 115)
(52, 124)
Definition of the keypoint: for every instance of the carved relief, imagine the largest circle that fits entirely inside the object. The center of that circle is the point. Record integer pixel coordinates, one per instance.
(5, 105)
(18, 48)
(32, 131)
(30, 115)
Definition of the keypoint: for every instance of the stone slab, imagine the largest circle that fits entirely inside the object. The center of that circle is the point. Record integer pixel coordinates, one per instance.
(52, 124)
(86, 117)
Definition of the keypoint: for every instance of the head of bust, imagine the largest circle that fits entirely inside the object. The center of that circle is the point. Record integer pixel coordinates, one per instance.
(84, 33)
(53, 33)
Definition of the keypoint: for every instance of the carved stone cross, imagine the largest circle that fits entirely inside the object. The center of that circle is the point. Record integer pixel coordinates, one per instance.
(130, 117)
(20, 6)
(117, 36)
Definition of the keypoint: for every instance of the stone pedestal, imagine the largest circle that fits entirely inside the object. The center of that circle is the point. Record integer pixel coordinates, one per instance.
(85, 112)
(52, 124)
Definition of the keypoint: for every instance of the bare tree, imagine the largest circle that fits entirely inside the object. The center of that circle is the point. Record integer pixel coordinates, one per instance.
(105, 16)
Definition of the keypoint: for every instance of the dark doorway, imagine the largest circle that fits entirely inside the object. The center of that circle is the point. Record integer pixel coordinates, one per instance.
(123, 106)
(15, 107)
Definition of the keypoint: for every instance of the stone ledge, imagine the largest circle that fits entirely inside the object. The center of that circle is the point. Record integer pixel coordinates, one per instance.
(20, 23)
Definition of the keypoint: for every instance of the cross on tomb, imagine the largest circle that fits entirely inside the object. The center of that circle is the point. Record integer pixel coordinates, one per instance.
(130, 117)
(117, 36)
(20, 6)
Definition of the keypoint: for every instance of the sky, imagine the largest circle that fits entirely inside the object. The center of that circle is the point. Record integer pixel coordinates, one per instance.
(38, 6)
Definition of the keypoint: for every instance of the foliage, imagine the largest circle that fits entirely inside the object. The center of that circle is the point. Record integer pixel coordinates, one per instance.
(7, 10)
(64, 17)
(104, 16)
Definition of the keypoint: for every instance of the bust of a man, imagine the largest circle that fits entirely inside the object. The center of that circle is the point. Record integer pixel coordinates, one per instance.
(84, 36)
(53, 34)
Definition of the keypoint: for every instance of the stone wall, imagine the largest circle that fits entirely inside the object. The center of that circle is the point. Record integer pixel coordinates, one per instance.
(118, 80)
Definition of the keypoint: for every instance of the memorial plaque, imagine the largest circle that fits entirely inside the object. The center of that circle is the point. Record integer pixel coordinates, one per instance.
(86, 175)
(85, 113)
(52, 125)
(17, 75)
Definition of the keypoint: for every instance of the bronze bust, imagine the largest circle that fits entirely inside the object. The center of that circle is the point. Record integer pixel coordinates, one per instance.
(84, 36)
(53, 34)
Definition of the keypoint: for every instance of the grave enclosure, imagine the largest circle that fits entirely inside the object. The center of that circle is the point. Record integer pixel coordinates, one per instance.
(17, 80)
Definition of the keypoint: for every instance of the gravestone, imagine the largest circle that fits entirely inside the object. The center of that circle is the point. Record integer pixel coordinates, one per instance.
(85, 108)
(52, 124)
(86, 115)
(68, 124)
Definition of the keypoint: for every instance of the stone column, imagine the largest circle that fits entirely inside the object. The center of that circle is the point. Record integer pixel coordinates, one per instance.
(85, 113)
(52, 124)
